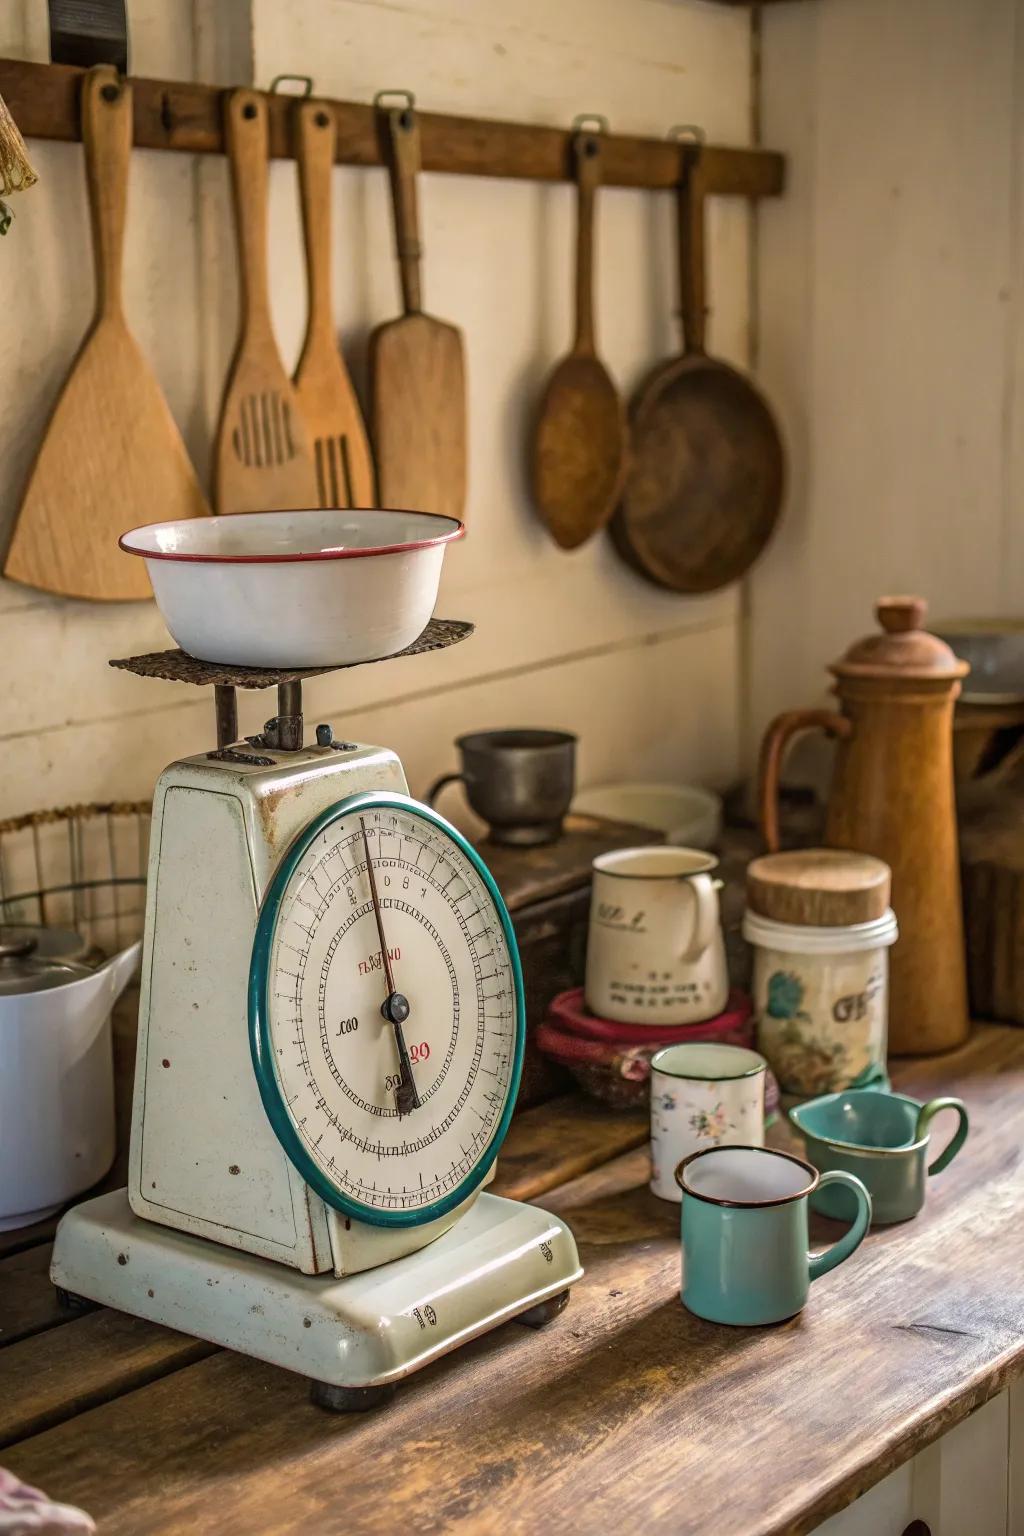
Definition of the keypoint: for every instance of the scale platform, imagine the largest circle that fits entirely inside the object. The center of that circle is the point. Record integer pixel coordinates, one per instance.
(354, 1338)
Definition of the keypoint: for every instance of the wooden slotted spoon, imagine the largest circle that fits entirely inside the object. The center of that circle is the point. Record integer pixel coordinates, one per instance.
(344, 468)
(264, 457)
(112, 455)
(580, 439)
(705, 481)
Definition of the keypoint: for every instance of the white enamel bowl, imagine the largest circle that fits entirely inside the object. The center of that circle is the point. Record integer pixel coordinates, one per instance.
(295, 589)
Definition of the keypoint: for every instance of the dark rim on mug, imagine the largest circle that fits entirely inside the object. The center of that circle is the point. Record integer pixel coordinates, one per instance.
(748, 1205)
(516, 739)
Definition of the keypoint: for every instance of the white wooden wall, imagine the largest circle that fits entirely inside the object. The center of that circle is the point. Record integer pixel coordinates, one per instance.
(650, 681)
(892, 323)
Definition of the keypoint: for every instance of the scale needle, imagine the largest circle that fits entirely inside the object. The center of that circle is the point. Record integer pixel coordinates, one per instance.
(395, 1007)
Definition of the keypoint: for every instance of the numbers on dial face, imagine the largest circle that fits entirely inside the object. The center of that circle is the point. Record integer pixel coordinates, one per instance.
(335, 1054)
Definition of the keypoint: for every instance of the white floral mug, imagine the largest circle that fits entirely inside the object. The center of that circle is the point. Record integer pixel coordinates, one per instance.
(702, 1095)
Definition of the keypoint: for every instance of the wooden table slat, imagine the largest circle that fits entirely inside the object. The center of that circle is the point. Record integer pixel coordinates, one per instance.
(67, 1371)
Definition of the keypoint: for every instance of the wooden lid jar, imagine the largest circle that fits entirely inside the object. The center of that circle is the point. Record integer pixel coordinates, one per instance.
(821, 926)
(822, 887)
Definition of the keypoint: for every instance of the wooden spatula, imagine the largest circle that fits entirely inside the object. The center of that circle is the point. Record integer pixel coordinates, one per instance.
(264, 460)
(418, 385)
(580, 440)
(344, 468)
(112, 455)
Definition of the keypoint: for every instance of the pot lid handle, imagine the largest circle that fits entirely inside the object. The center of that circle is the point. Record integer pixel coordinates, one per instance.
(897, 615)
(12, 948)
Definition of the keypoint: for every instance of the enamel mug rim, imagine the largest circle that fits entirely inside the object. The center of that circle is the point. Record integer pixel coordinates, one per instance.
(709, 1047)
(698, 860)
(917, 1105)
(813, 1174)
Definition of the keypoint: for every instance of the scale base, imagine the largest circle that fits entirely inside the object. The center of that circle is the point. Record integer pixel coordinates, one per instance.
(354, 1338)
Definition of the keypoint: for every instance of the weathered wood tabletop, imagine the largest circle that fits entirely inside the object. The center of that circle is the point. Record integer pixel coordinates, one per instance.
(626, 1413)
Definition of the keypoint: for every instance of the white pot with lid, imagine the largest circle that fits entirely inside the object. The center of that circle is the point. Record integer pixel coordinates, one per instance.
(56, 1074)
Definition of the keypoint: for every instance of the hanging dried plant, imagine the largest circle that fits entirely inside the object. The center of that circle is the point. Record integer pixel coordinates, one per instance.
(16, 173)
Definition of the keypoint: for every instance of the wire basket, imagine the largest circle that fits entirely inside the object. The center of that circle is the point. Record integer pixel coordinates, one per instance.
(78, 866)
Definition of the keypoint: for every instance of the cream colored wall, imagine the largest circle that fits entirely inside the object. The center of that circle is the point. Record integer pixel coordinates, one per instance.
(649, 680)
(892, 323)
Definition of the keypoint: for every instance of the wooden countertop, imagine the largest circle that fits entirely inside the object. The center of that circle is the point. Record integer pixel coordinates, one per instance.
(625, 1413)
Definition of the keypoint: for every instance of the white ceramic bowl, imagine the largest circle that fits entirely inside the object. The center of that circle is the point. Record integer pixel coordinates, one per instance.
(295, 589)
(689, 817)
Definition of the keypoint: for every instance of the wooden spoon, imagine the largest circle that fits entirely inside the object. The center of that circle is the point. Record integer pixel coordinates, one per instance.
(264, 457)
(344, 468)
(580, 439)
(112, 455)
(705, 481)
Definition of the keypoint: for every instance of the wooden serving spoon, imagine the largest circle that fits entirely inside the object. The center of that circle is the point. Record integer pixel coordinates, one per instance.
(580, 439)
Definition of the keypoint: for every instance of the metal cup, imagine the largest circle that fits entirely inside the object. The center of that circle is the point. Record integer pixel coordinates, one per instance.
(520, 782)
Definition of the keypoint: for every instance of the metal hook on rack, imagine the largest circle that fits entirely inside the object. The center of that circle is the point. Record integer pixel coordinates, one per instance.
(306, 81)
(691, 136)
(586, 128)
(406, 114)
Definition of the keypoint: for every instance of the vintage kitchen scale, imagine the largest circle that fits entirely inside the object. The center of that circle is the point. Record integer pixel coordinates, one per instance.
(331, 1033)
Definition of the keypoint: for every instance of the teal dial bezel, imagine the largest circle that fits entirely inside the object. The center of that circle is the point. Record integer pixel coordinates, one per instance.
(261, 1046)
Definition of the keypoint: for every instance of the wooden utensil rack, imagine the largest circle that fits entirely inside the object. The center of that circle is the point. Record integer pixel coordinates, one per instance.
(179, 115)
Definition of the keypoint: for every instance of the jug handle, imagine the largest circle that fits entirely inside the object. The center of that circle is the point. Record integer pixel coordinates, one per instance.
(705, 915)
(773, 750)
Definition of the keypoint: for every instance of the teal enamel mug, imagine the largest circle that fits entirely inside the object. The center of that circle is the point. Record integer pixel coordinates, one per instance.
(746, 1257)
(882, 1138)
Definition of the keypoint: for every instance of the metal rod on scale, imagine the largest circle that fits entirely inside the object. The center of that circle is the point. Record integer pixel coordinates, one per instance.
(289, 716)
(225, 704)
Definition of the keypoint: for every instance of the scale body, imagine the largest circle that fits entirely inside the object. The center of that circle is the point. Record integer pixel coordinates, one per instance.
(234, 1225)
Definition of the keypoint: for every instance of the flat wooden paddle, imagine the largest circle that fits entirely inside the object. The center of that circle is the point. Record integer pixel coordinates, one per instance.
(112, 456)
(705, 480)
(264, 457)
(344, 468)
(417, 373)
(580, 439)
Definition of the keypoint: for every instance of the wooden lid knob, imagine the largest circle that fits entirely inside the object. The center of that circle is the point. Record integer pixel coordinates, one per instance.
(899, 614)
(902, 651)
(819, 887)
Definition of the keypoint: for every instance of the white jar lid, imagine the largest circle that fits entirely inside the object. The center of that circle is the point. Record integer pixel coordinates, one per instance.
(805, 940)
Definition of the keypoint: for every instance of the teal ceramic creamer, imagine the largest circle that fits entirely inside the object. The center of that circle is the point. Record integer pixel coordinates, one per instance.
(744, 1225)
(881, 1138)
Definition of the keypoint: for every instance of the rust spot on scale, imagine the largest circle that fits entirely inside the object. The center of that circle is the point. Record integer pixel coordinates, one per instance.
(234, 1168)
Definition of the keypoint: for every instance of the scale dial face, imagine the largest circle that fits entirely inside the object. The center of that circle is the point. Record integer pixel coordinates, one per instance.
(389, 1071)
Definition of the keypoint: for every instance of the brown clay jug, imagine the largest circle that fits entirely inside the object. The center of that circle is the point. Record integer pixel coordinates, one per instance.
(892, 796)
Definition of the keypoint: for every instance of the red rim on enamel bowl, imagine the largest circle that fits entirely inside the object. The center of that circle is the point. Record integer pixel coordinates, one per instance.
(455, 530)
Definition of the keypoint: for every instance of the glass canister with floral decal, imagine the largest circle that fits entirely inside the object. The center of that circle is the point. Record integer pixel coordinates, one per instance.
(821, 927)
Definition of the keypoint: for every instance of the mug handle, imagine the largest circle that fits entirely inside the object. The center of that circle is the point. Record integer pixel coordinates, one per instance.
(925, 1117)
(705, 915)
(430, 798)
(820, 1263)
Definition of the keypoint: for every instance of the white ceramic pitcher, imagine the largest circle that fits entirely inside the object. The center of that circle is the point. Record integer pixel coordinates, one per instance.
(57, 1084)
(655, 951)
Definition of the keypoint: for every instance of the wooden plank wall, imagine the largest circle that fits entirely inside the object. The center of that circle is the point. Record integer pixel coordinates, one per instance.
(648, 680)
(892, 323)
